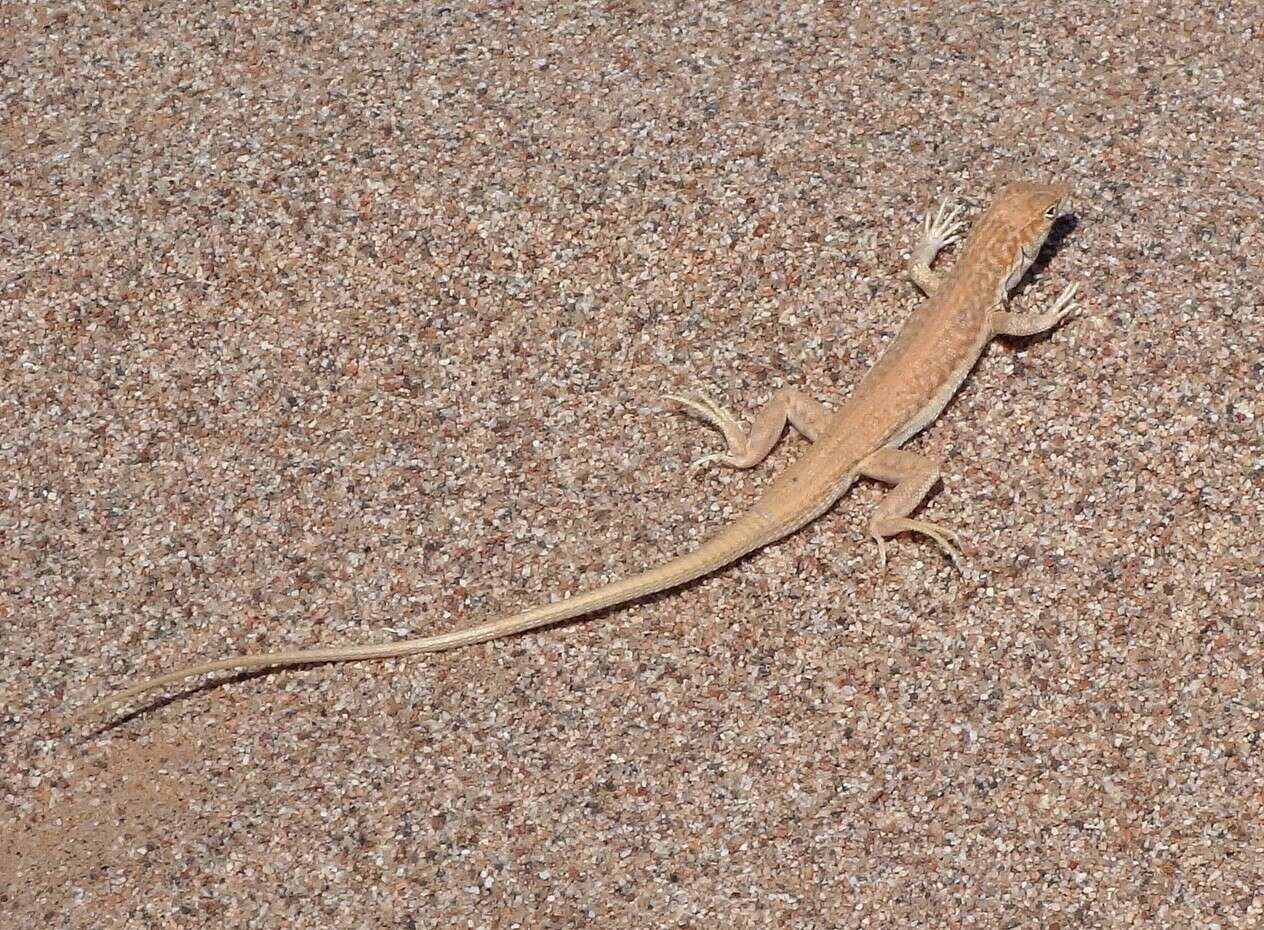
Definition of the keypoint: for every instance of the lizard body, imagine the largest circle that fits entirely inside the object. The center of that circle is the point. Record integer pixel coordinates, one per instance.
(904, 391)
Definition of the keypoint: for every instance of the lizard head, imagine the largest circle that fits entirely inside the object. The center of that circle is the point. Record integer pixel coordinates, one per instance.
(1017, 224)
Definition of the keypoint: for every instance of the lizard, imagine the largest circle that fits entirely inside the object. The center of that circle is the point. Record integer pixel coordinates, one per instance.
(905, 390)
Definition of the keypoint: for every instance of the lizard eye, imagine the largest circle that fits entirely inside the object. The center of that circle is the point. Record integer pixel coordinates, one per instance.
(1052, 212)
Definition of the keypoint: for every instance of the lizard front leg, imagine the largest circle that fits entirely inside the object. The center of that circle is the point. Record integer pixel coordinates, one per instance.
(1005, 323)
(749, 449)
(913, 476)
(938, 230)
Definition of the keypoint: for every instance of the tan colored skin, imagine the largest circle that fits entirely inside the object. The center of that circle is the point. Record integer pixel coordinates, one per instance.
(904, 391)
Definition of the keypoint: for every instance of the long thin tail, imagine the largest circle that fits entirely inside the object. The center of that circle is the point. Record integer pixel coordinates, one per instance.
(749, 532)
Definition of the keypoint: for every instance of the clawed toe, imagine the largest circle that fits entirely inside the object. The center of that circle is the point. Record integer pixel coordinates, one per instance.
(1066, 305)
(946, 539)
(882, 553)
(707, 409)
(703, 406)
(723, 458)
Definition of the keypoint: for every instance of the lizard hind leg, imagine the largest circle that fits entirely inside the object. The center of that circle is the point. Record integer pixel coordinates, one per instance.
(748, 449)
(913, 476)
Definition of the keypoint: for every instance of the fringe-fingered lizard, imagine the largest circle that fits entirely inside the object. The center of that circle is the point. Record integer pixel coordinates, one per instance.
(905, 390)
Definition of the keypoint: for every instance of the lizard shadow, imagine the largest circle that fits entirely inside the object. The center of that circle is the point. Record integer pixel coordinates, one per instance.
(1062, 228)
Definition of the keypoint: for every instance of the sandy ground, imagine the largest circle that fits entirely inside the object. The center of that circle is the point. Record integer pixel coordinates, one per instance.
(328, 323)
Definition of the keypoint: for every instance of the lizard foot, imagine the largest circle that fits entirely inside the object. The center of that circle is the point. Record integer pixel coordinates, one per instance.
(943, 227)
(706, 409)
(944, 537)
(1064, 306)
(1030, 324)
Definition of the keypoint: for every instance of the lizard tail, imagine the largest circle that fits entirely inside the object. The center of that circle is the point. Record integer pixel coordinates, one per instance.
(749, 532)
